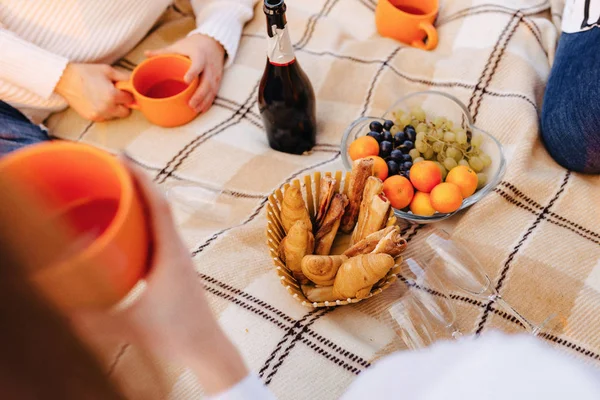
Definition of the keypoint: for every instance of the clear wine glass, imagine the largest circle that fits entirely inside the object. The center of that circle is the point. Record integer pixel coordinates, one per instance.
(414, 326)
(429, 292)
(462, 269)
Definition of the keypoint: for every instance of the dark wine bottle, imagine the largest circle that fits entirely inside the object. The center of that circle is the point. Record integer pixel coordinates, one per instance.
(286, 98)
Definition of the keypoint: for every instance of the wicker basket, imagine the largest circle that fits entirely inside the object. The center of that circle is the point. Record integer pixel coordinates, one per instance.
(275, 234)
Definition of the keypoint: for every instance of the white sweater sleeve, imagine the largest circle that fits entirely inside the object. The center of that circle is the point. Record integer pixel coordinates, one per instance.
(29, 66)
(250, 388)
(223, 20)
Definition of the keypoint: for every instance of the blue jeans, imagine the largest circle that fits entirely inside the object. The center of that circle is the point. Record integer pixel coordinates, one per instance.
(16, 130)
(570, 121)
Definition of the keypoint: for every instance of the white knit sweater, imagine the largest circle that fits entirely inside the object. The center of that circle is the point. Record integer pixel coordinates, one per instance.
(39, 37)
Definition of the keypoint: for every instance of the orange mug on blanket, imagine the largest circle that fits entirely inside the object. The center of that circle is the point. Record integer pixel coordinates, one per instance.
(160, 92)
(78, 220)
(409, 21)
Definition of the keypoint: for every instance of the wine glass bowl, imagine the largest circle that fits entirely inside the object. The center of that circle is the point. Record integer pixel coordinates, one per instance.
(435, 104)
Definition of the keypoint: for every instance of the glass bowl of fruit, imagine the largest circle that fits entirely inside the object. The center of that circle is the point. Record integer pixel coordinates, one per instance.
(433, 160)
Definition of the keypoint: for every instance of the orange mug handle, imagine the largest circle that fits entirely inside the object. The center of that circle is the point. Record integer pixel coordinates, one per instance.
(128, 87)
(432, 37)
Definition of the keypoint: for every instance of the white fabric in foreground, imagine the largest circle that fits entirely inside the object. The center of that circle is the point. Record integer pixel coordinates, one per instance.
(495, 366)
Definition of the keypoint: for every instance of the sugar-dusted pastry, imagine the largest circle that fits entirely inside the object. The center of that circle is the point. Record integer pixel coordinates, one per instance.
(361, 171)
(374, 218)
(293, 209)
(292, 249)
(321, 270)
(326, 192)
(392, 243)
(326, 234)
(373, 187)
(319, 294)
(358, 274)
(369, 243)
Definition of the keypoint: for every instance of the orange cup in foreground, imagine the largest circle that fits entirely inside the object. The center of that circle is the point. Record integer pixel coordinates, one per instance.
(160, 92)
(90, 197)
(409, 21)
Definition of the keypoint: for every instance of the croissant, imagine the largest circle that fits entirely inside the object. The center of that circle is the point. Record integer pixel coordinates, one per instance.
(392, 243)
(293, 209)
(358, 274)
(326, 233)
(326, 189)
(374, 218)
(319, 294)
(321, 270)
(361, 170)
(373, 187)
(368, 244)
(292, 249)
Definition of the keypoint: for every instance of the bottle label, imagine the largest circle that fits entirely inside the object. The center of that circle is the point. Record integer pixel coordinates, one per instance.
(280, 50)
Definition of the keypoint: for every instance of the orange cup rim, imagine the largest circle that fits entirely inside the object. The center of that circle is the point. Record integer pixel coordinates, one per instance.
(148, 60)
(413, 16)
(125, 199)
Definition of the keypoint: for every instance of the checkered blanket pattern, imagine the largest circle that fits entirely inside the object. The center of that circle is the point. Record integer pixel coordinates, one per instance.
(537, 234)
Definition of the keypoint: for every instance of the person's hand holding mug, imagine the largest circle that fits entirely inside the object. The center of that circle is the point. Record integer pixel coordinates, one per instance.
(90, 90)
(171, 317)
(208, 61)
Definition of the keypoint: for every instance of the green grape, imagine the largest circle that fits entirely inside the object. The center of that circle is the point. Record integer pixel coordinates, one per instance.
(463, 162)
(454, 153)
(421, 136)
(487, 160)
(421, 146)
(476, 140)
(421, 127)
(438, 134)
(442, 170)
(461, 136)
(398, 113)
(405, 120)
(441, 157)
(418, 159)
(449, 124)
(476, 163)
(481, 180)
(450, 163)
(415, 122)
(438, 147)
(394, 129)
(414, 153)
(439, 121)
(449, 137)
(418, 113)
(428, 154)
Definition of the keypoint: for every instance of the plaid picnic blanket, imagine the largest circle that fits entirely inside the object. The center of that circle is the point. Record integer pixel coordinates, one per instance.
(537, 233)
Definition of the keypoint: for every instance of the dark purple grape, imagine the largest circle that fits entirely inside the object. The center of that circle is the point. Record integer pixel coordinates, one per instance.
(398, 156)
(406, 174)
(387, 136)
(385, 148)
(407, 165)
(410, 132)
(376, 135)
(393, 168)
(408, 144)
(376, 126)
(406, 157)
(387, 124)
(399, 138)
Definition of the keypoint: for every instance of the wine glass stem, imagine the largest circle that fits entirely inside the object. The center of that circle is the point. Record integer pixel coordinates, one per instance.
(534, 330)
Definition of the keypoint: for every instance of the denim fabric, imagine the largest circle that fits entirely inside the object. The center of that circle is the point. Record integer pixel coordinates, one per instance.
(570, 121)
(16, 130)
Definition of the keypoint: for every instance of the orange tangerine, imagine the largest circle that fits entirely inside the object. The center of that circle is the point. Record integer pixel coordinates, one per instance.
(425, 175)
(380, 168)
(446, 197)
(363, 147)
(421, 205)
(399, 191)
(465, 178)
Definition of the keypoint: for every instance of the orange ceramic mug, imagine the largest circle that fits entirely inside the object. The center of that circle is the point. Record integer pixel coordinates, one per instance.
(88, 197)
(160, 92)
(409, 21)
